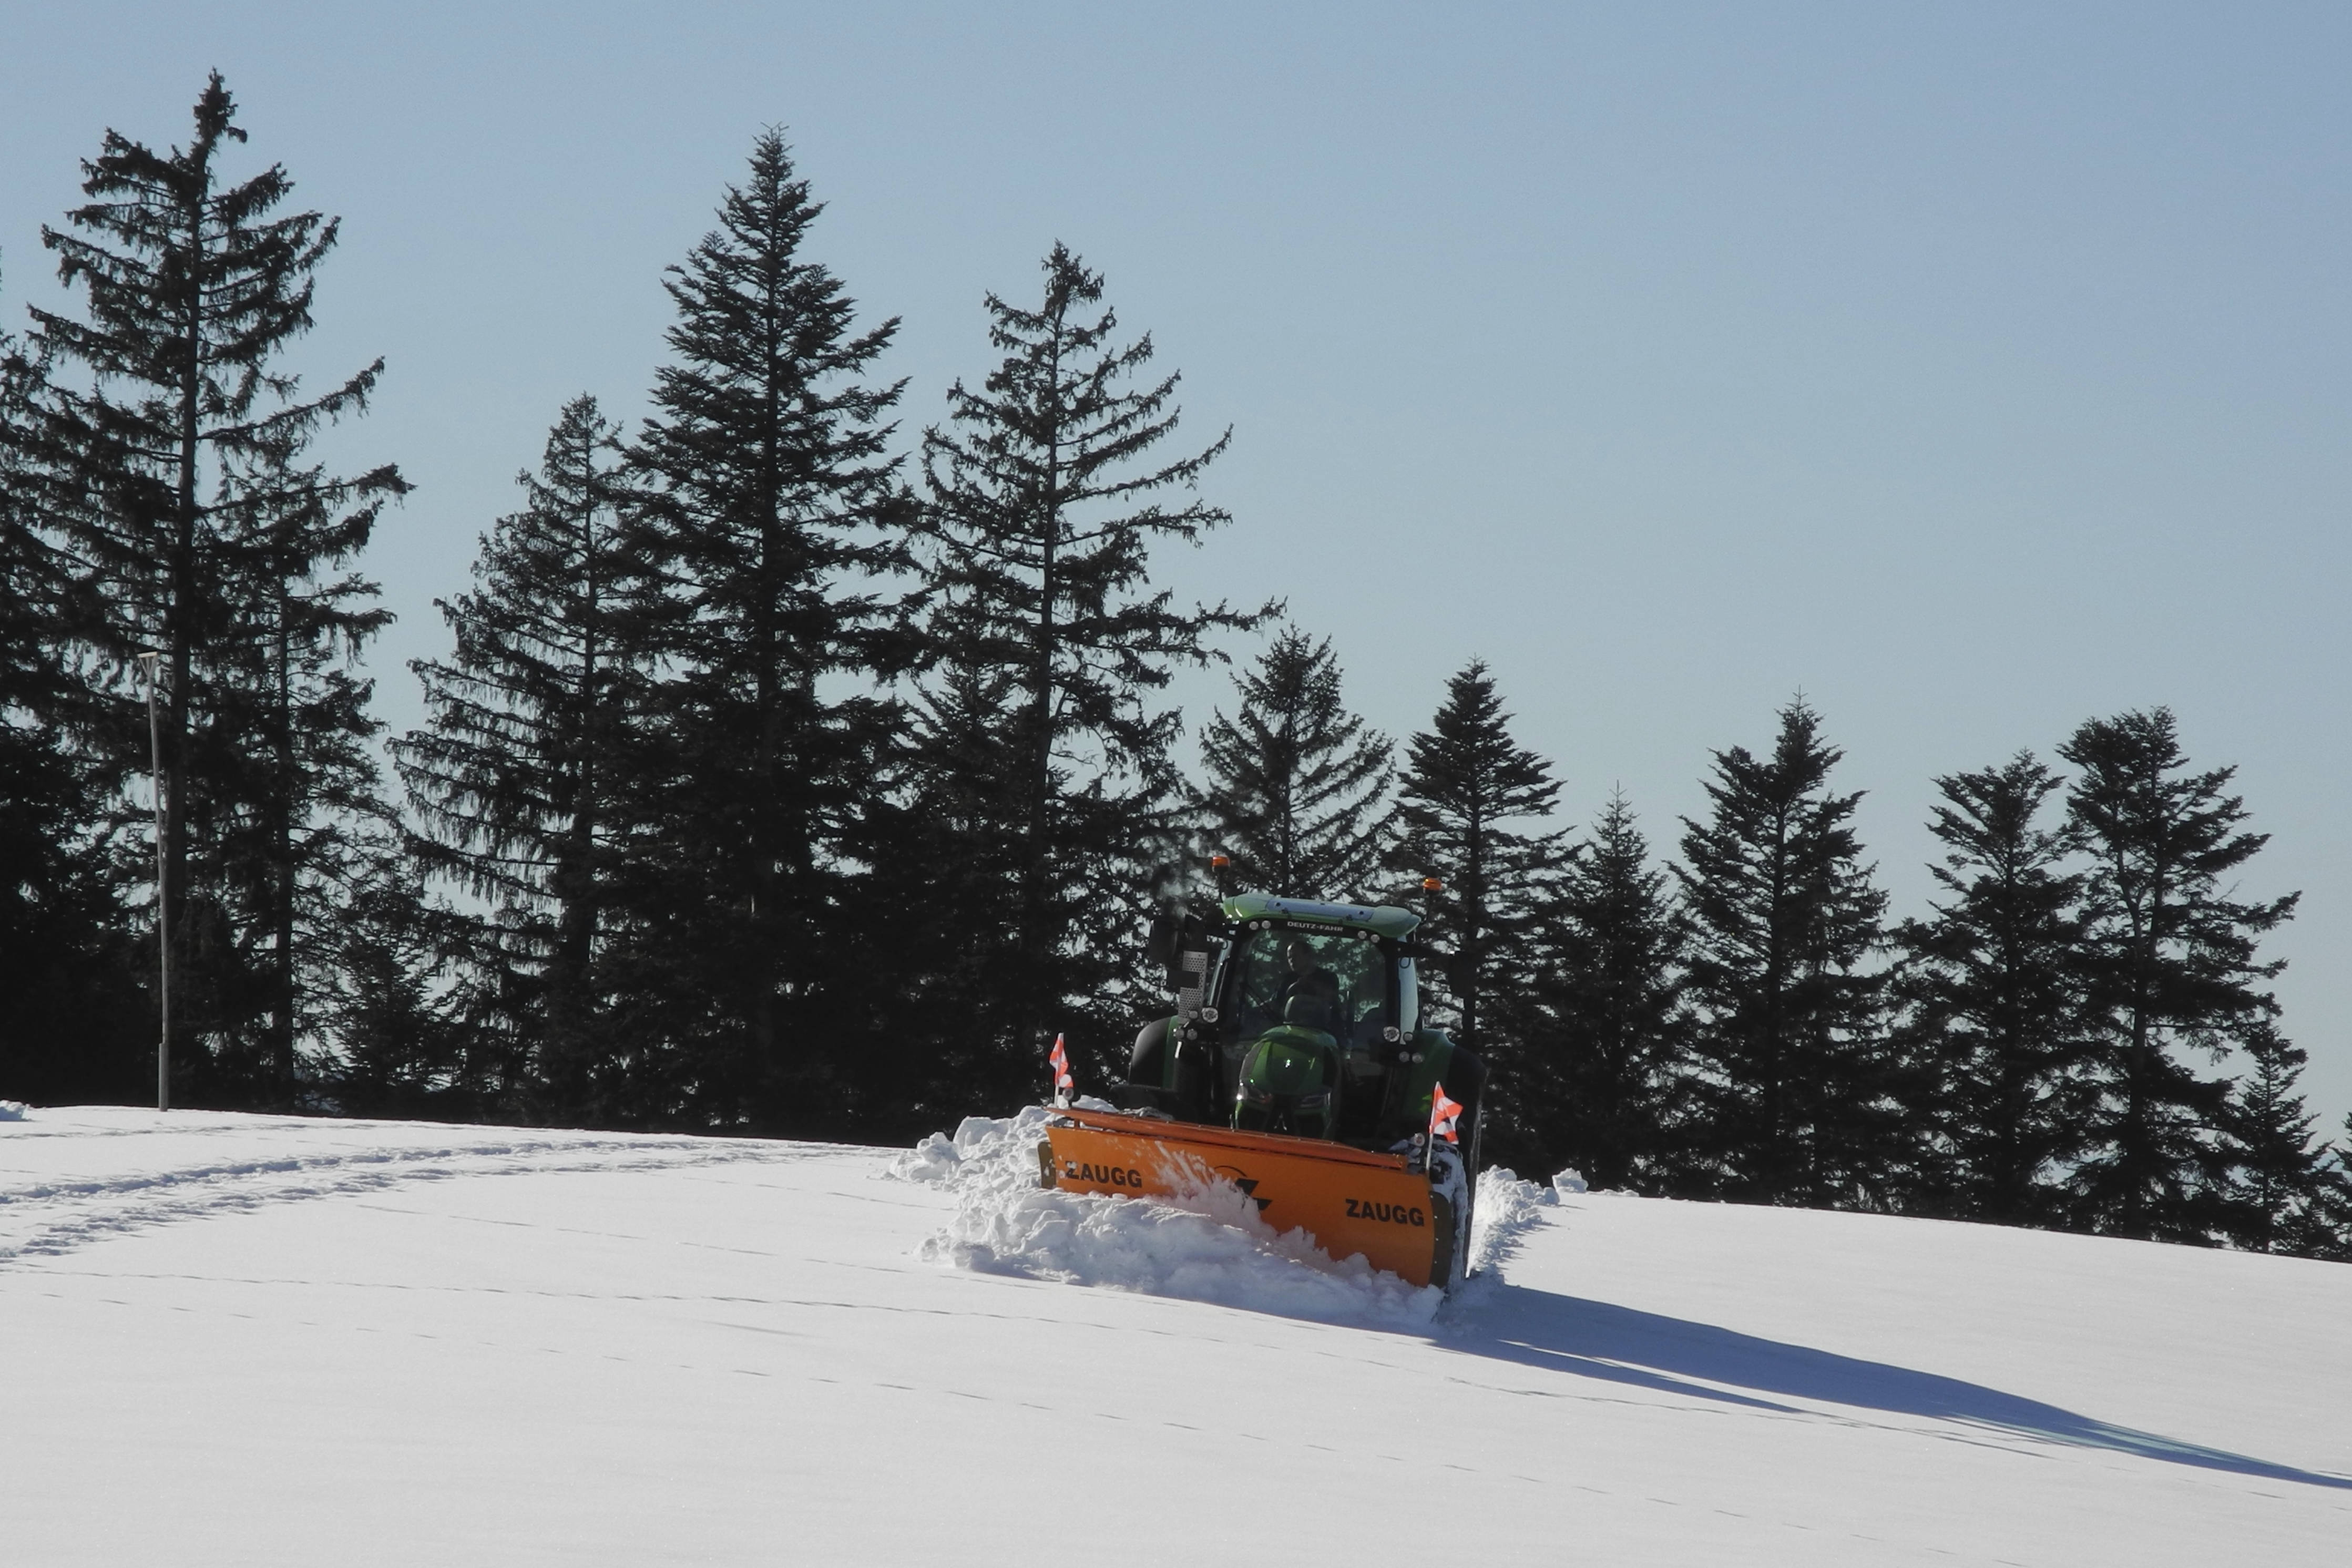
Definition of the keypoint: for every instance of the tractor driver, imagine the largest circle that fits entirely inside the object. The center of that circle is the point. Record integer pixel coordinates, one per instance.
(1310, 997)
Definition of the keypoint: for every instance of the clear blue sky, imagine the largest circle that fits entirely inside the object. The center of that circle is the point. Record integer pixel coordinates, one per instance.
(1975, 370)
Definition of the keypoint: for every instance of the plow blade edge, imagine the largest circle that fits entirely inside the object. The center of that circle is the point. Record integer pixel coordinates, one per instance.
(1350, 1200)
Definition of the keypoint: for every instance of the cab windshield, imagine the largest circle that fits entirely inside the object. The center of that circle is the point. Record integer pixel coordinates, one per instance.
(1336, 983)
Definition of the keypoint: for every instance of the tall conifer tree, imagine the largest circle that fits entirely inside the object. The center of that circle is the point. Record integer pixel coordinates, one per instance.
(317, 826)
(76, 1019)
(1294, 779)
(202, 530)
(1045, 499)
(771, 509)
(1793, 1098)
(1599, 1075)
(521, 778)
(938, 956)
(1466, 784)
(1994, 989)
(2172, 969)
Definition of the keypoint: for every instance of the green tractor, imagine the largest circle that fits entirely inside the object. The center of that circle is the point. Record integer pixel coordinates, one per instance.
(1295, 1068)
(1299, 1018)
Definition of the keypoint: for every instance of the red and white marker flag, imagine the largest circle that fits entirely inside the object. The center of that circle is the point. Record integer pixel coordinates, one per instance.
(1441, 1115)
(1063, 1083)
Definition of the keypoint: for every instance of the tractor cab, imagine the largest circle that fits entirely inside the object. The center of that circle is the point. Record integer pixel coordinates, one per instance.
(1295, 1017)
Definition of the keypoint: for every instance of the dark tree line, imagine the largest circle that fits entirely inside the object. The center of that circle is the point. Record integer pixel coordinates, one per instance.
(789, 770)
(2041, 1050)
(794, 771)
(1745, 1024)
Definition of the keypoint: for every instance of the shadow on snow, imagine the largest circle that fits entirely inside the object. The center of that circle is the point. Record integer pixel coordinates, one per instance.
(1699, 1361)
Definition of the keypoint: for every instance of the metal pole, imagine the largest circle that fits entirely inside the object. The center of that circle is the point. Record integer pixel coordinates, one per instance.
(162, 895)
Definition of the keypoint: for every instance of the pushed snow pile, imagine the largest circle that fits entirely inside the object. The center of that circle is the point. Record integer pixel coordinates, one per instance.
(1507, 1209)
(12, 1110)
(1207, 1246)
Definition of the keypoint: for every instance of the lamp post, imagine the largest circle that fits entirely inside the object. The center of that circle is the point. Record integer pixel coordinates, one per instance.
(151, 663)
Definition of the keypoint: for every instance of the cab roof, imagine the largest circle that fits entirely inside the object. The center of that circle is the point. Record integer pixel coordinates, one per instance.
(1381, 919)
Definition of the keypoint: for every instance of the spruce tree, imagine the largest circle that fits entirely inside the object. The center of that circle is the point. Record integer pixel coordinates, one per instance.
(293, 864)
(1464, 783)
(2171, 971)
(1598, 1079)
(1994, 993)
(2283, 1195)
(1793, 1098)
(939, 926)
(202, 531)
(2331, 1228)
(771, 509)
(1294, 779)
(77, 1021)
(421, 1026)
(1045, 497)
(521, 777)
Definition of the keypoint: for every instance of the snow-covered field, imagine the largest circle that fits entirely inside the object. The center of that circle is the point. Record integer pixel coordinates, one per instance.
(248, 1340)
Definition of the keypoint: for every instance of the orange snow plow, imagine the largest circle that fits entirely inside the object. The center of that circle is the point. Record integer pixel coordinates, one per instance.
(1350, 1200)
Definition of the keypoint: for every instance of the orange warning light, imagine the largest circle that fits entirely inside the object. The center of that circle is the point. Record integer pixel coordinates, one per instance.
(1218, 862)
(1431, 885)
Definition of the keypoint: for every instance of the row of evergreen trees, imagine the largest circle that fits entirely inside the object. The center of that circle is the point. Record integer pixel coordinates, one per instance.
(779, 778)
(792, 773)
(1744, 1023)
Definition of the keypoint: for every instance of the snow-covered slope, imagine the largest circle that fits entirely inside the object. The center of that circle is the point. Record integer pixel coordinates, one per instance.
(238, 1340)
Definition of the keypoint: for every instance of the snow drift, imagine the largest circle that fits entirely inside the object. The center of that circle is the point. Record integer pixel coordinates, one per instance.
(1206, 1246)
